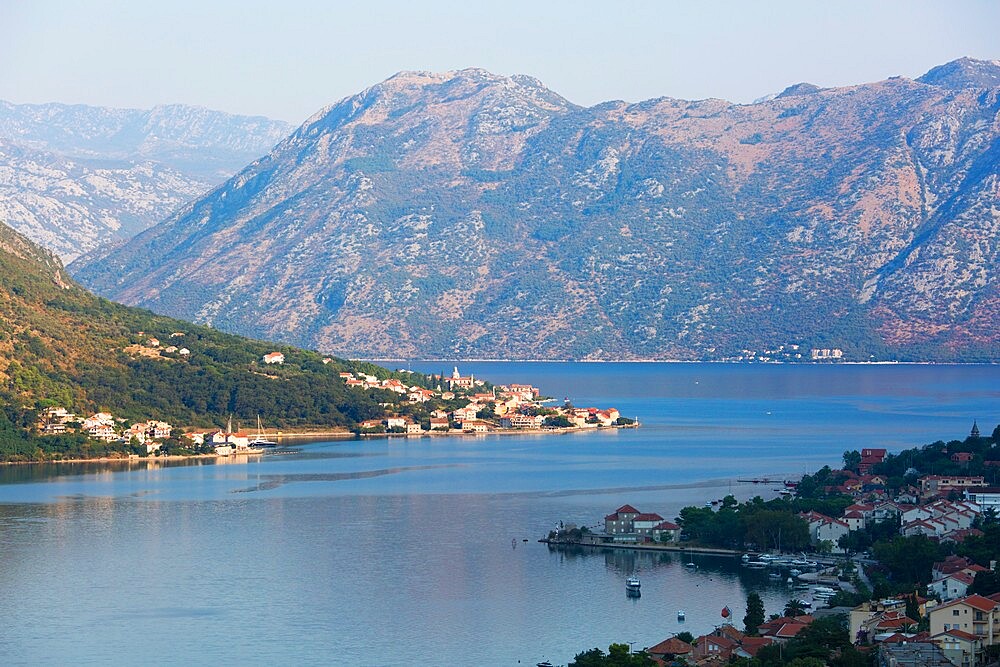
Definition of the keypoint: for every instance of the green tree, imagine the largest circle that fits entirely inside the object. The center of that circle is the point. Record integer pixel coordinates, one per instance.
(908, 559)
(618, 655)
(852, 459)
(985, 583)
(776, 529)
(794, 607)
(754, 617)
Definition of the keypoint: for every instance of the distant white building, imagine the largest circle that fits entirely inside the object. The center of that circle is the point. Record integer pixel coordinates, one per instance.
(273, 358)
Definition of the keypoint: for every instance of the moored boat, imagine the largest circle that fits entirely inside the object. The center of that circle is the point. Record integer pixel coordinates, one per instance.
(632, 585)
(261, 441)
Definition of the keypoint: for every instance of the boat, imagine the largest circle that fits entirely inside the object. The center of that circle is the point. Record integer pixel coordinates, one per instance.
(632, 585)
(755, 564)
(691, 565)
(680, 614)
(261, 442)
(544, 664)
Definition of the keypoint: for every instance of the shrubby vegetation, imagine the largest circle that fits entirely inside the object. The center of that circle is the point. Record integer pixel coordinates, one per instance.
(61, 346)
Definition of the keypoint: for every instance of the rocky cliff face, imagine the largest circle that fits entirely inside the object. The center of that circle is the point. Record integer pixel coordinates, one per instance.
(472, 215)
(73, 177)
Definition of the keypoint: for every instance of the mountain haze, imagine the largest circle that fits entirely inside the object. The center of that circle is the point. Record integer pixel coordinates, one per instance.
(467, 214)
(75, 176)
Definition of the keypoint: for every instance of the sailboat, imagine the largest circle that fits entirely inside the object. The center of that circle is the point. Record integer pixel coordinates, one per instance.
(260, 441)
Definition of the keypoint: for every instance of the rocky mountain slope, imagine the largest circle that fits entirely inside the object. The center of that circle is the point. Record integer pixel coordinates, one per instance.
(72, 177)
(472, 215)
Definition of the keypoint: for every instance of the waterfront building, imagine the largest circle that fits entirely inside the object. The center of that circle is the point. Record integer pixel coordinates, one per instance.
(620, 522)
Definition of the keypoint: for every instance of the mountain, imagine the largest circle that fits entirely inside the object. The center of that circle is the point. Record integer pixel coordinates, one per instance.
(62, 346)
(964, 73)
(470, 215)
(73, 177)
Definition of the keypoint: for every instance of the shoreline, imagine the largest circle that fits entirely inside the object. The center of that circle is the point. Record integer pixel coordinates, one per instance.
(676, 361)
(307, 436)
(672, 548)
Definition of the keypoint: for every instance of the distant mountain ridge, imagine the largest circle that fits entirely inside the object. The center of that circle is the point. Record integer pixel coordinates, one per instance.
(75, 176)
(467, 214)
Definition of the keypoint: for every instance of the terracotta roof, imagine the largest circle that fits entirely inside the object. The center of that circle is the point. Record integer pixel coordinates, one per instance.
(648, 517)
(789, 630)
(753, 644)
(673, 646)
(894, 623)
(627, 509)
(961, 634)
(722, 642)
(666, 525)
(730, 632)
(975, 601)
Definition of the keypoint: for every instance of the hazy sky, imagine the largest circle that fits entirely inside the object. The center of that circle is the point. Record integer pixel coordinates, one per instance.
(288, 58)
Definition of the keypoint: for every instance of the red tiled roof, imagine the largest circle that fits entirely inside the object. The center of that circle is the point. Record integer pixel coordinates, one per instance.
(648, 517)
(626, 508)
(666, 525)
(894, 623)
(789, 630)
(961, 634)
(722, 642)
(975, 601)
(753, 644)
(672, 646)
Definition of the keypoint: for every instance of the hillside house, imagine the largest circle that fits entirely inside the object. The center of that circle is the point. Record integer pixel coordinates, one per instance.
(973, 614)
(101, 431)
(273, 358)
(942, 485)
(825, 528)
(951, 586)
(870, 458)
(985, 497)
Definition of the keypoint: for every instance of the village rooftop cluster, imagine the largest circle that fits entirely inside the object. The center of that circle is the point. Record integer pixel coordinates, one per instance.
(503, 407)
(959, 628)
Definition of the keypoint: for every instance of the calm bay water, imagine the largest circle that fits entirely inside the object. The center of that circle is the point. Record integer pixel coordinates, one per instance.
(411, 551)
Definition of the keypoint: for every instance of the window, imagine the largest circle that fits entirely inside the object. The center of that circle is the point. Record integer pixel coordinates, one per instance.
(954, 612)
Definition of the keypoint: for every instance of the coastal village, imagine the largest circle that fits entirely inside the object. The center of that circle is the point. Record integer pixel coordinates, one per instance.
(506, 407)
(946, 623)
(478, 408)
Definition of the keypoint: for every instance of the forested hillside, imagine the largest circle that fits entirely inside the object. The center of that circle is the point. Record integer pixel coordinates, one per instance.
(62, 346)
